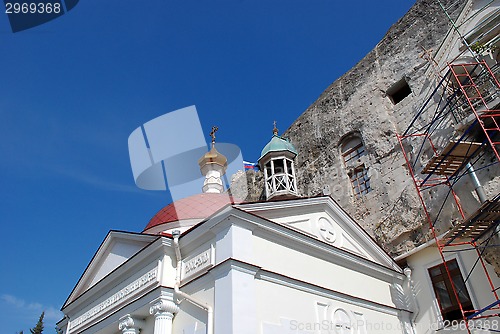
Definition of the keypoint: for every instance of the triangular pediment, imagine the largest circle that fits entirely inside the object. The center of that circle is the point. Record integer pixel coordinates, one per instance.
(116, 249)
(323, 219)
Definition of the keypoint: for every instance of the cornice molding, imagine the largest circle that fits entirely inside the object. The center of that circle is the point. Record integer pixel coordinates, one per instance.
(224, 267)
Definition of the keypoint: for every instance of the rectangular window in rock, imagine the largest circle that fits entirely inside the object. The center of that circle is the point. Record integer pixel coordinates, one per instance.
(399, 91)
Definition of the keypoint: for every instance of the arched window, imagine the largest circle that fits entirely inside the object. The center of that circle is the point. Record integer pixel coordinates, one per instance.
(352, 150)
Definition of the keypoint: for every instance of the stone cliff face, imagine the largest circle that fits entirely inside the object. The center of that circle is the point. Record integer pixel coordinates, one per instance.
(364, 104)
(358, 103)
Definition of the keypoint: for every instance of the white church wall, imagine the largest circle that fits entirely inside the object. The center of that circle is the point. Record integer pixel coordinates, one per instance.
(429, 317)
(235, 298)
(322, 219)
(298, 262)
(167, 270)
(192, 319)
(118, 253)
(285, 309)
(234, 241)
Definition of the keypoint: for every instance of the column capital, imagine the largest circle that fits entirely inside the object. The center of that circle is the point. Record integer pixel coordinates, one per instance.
(128, 325)
(163, 305)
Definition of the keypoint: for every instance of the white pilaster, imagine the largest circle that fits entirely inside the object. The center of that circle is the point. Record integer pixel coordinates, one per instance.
(234, 242)
(235, 299)
(164, 311)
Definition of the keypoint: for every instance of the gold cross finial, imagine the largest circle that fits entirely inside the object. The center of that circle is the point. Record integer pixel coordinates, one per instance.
(275, 129)
(212, 134)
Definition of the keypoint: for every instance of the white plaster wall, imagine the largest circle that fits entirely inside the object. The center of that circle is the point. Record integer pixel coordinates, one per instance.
(168, 271)
(118, 253)
(287, 261)
(235, 301)
(311, 223)
(191, 319)
(429, 317)
(283, 310)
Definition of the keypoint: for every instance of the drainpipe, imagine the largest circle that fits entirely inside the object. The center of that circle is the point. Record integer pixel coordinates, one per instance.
(479, 189)
(410, 288)
(477, 185)
(210, 311)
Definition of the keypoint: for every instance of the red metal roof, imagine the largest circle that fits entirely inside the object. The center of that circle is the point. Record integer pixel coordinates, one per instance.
(199, 206)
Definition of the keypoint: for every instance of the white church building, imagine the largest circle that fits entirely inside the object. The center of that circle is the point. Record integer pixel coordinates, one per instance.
(284, 265)
(209, 263)
(204, 265)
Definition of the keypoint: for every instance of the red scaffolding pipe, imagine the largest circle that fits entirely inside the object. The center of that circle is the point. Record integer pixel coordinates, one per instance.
(465, 80)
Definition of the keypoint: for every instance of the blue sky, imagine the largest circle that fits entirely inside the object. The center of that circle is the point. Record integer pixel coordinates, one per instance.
(72, 91)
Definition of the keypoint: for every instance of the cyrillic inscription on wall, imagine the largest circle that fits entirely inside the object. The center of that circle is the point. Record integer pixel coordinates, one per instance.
(196, 264)
(136, 286)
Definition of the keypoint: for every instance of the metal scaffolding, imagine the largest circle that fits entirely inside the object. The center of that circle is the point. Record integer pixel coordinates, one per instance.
(454, 134)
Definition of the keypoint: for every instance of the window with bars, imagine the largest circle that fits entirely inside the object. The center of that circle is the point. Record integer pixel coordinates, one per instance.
(352, 150)
(353, 153)
(360, 181)
(441, 283)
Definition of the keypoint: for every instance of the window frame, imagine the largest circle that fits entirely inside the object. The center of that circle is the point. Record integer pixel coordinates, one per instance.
(446, 314)
(360, 183)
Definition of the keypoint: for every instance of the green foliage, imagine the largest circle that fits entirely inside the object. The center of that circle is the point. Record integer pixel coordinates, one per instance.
(479, 48)
(38, 329)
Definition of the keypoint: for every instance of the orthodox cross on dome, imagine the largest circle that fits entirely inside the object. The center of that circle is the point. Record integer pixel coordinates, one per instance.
(275, 129)
(212, 134)
(213, 166)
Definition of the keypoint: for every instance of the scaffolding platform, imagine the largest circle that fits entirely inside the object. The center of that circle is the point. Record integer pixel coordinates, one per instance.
(452, 158)
(467, 99)
(478, 224)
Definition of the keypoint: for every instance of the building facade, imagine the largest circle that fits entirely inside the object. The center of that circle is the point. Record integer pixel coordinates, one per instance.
(290, 266)
(405, 143)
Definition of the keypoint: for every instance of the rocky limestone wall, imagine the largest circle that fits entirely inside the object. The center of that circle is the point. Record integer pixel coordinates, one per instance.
(358, 102)
(248, 186)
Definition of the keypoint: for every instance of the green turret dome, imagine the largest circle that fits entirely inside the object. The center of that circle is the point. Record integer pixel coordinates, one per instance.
(278, 144)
